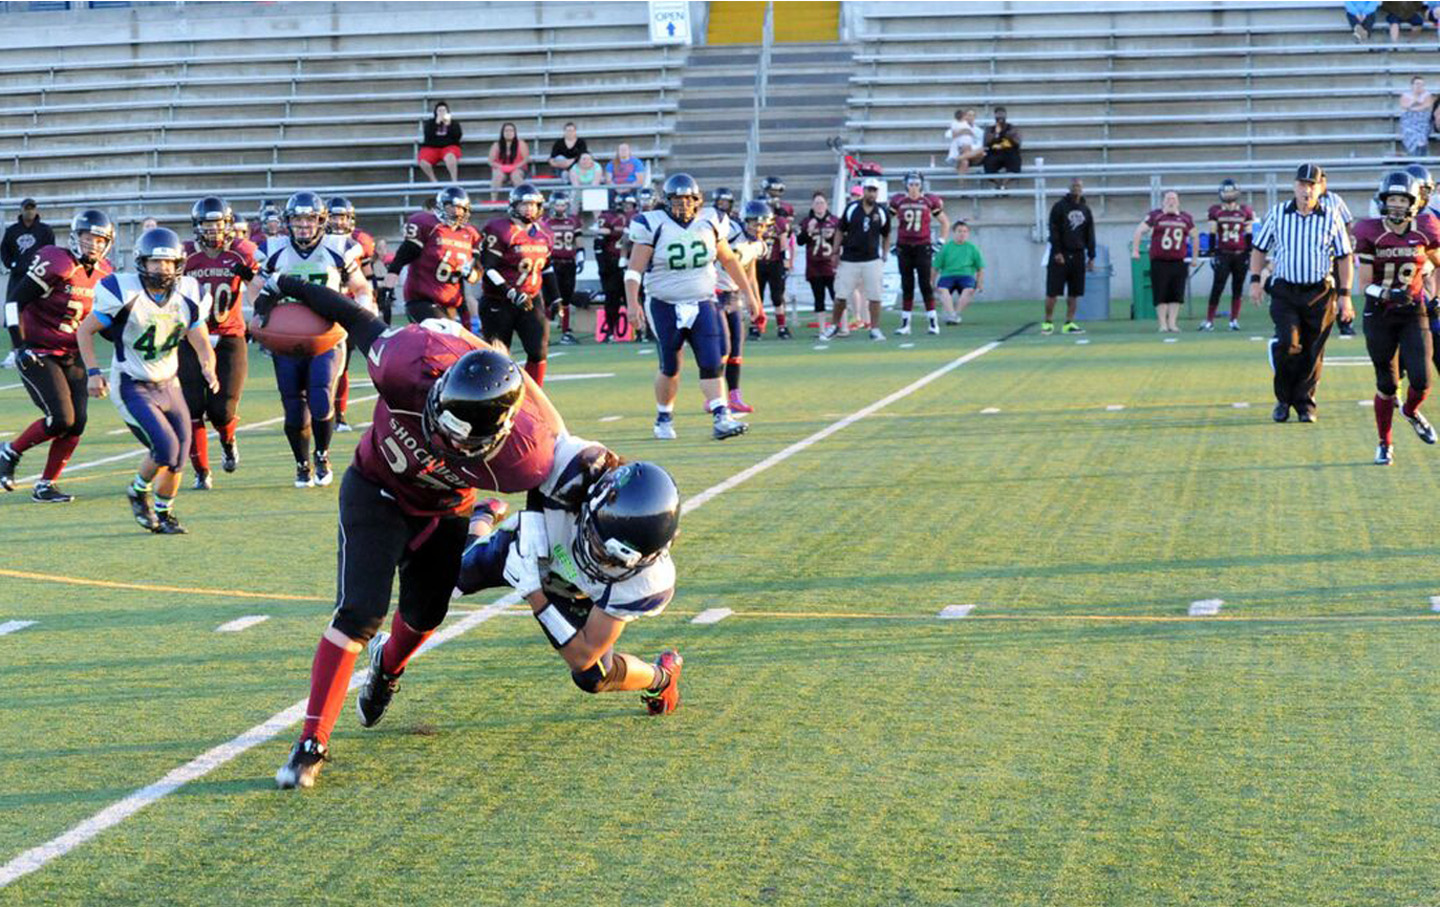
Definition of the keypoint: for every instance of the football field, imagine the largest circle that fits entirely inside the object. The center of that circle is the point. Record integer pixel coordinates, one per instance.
(1186, 661)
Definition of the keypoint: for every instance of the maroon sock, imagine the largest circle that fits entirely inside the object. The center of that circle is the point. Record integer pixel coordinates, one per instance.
(536, 370)
(929, 305)
(60, 451)
(342, 393)
(1384, 417)
(1210, 310)
(565, 319)
(199, 446)
(31, 436)
(227, 431)
(907, 305)
(1413, 399)
(780, 315)
(329, 683)
(403, 643)
(1235, 305)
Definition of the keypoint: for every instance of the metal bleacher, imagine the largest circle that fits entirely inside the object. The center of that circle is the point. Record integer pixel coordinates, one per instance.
(150, 120)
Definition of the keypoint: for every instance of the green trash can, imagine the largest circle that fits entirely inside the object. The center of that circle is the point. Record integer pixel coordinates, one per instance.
(1142, 306)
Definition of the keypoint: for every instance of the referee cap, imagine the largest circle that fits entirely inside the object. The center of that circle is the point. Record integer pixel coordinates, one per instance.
(1309, 173)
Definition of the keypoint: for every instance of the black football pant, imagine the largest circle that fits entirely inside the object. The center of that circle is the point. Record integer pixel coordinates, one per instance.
(1229, 267)
(819, 286)
(376, 540)
(501, 320)
(914, 262)
(612, 282)
(231, 367)
(770, 276)
(1303, 315)
(565, 280)
(58, 386)
(1397, 340)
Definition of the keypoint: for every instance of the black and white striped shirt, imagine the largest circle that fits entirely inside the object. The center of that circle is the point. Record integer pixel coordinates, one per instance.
(1302, 247)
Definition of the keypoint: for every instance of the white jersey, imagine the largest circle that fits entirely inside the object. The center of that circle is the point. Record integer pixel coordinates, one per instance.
(329, 262)
(682, 265)
(145, 332)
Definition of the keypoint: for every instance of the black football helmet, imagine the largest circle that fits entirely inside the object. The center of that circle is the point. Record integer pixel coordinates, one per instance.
(452, 206)
(471, 407)
(97, 224)
(646, 199)
(305, 217)
(683, 197)
(560, 202)
(342, 216)
(914, 178)
(526, 203)
(159, 244)
(1401, 184)
(212, 220)
(1229, 191)
(723, 200)
(758, 215)
(1427, 182)
(625, 198)
(627, 523)
(270, 221)
(773, 186)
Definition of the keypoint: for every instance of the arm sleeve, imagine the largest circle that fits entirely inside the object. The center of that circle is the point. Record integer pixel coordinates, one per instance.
(362, 326)
(1055, 227)
(640, 232)
(7, 250)
(1089, 235)
(26, 292)
(457, 132)
(108, 300)
(407, 253)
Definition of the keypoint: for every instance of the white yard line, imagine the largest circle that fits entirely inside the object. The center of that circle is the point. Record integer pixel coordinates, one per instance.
(611, 418)
(10, 626)
(711, 616)
(580, 376)
(117, 812)
(242, 623)
(1206, 608)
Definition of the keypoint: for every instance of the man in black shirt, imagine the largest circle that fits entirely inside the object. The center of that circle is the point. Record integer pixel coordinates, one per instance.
(566, 151)
(1072, 253)
(28, 235)
(864, 246)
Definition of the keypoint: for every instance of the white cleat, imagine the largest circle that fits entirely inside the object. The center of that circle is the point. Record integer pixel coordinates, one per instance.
(877, 334)
(1384, 455)
(665, 431)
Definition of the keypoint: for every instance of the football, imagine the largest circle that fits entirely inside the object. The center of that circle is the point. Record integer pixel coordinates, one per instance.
(294, 330)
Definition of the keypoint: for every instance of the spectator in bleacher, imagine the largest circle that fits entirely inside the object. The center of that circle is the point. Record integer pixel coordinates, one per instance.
(440, 141)
(1416, 111)
(966, 141)
(28, 235)
(1002, 147)
(1403, 12)
(566, 151)
(1361, 15)
(626, 170)
(587, 173)
(1172, 237)
(149, 223)
(508, 157)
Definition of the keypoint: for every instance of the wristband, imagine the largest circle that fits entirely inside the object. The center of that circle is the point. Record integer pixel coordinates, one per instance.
(93, 373)
(632, 276)
(1254, 278)
(556, 627)
(1343, 291)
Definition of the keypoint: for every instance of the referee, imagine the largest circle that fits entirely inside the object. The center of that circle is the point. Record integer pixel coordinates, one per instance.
(1309, 251)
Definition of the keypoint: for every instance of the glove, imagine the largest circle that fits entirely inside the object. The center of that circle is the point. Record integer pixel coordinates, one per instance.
(466, 270)
(520, 300)
(243, 271)
(761, 321)
(26, 358)
(265, 303)
(522, 573)
(534, 541)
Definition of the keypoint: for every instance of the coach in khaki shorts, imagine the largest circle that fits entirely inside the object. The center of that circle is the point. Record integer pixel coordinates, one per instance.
(864, 246)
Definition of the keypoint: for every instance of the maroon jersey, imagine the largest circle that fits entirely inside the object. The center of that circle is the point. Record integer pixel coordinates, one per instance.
(48, 324)
(1398, 258)
(216, 277)
(1232, 227)
(913, 215)
(444, 252)
(777, 241)
(524, 251)
(1167, 242)
(618, 224)
(395, 454)
(566, 233)
(821, 238)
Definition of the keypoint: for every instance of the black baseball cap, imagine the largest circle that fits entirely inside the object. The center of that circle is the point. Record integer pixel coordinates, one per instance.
(28, 203)
(1309, 173)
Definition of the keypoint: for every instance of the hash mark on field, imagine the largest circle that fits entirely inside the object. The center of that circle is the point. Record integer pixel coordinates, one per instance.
(820, 346)
(989, 410)
(1364, 402)
(1081, 342)
(1259, 338)
(611, 418)
(10, 626)
(642, 352)
(1172, 339)
(1435, 603)
(1241, 405)
(907, 346)
(1208, 607)
(955, 612)
(711, 616)
(242, 623)
(1114, 407)
(557, 355)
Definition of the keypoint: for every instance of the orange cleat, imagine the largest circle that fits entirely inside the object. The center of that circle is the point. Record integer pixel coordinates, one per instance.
(668, 699)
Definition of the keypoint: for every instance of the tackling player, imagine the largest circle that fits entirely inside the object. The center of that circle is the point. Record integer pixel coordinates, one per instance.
(913, 211)
(221, 261)
(610, 227)
(746, 240)
(1393, 253)
(454, 415)
(516, 261)
(676, 248)
(342, 223)
(52, 300)
(146, 315)
(565, 258)
(777, 258)
(439, 248)
(1229, 224)
(307, 383)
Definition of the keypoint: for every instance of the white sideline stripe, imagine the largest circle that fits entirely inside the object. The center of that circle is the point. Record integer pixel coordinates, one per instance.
(11, 387)
(556, 355)
(115, 458)
(711, 616)
(955, 612)
(1114, 407)
(1208, 607)
(10, 626)
(119, 811)
(580, 376)
(242, 623)
(611, 418)
(989, 410)
(1435, 603)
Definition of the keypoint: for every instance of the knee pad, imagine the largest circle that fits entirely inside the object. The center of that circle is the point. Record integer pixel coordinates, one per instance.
(77, 428)
(359, 627)
(597, 678)
(711, 371)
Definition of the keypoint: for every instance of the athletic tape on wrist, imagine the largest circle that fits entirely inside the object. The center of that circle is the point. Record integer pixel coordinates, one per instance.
(632, 276)
(556, 627)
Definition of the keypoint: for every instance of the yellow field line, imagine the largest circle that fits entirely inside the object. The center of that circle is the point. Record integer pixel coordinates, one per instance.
(144, 587)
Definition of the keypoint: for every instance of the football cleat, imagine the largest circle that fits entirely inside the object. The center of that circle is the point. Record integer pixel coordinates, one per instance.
(230, 456)
(377, 690)
(667, 699)
(783, 332)
(1047, 327)
(902, 331)
(665, 431)
(1234, 325)
(726, 427)
(569, 339)
(167, 524)
(828, 333)
(47, 493)
(1423, 429)
(203, 481)
(341, 424)
(1308, 416)
(323, 475)
(738, 405)
(1206, 327)
(304, 763)
(877, 334)
(9, 459)
(1072, 328)
(303, 477)
(753, 333)
(1384, 454)
(953, 319)
(933, 329)
(1281, 412)
(143, 510)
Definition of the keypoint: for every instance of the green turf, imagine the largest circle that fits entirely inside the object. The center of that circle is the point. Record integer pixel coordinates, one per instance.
(1076, 740)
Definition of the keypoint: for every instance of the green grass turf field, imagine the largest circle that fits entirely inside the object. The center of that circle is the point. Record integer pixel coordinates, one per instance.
(1076, 740)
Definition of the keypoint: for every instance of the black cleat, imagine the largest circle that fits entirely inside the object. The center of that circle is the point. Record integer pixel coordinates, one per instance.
(341, 424)
(1281, 413)
(305, 762)
(167, 524)
(1308, 416)
(323, 475)
(9, 460)
(202, 482)
(1423, 429)
(303, 477)
(569, 339)
(377, 690)
(230, 456)
(1384, 454)
(47, 493)
(754, 333)
(783, 332)
(141, 507)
